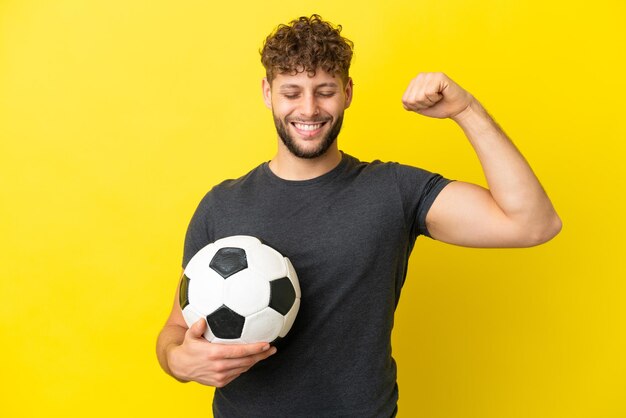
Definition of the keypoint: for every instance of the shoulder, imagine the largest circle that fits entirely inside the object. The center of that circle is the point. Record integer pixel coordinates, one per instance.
(354, 165)
(228, 186)
(227, 189)
(414, 185)
(248, 178)
(391, 170)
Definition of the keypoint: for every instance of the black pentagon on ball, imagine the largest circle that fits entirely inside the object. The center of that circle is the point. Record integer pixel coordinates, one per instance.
(228, 261)
(183, 292)
(225, 323)
(282, 295)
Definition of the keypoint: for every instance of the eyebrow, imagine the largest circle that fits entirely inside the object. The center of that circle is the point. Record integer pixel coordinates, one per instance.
(297, 86)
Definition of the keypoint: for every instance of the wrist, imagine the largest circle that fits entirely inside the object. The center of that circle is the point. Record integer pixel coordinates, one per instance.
(470, 111)
(474, 118)
(171, 359)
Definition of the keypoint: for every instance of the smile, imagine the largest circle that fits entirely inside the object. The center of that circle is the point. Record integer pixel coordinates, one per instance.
(308, 127)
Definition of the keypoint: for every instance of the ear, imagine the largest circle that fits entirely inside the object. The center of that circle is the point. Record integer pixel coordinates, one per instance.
(348, 92)
(267, 92)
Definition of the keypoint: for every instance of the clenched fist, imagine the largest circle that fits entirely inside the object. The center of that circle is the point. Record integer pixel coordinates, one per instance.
(435, 95)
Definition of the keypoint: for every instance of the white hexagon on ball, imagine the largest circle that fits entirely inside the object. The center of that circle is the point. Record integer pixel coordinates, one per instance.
(247, 293)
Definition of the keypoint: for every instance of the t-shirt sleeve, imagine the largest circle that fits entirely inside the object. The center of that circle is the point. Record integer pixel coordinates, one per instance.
(199, 230)
(418, 190)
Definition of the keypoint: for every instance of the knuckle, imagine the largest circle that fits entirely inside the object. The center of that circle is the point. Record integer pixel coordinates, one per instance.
(220, 379)
(214, 353)
(211, 356)
(219, 367)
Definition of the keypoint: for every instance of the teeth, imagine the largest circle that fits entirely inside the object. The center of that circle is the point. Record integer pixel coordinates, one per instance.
(304, 127)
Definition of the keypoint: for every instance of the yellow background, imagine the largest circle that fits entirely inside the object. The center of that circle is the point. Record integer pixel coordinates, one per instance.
(117, 116)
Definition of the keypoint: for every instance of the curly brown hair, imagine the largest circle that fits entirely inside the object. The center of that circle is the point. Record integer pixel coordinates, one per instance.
(307, 44)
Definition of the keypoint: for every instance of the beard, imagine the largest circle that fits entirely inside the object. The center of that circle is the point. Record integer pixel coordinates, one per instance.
(301, 152)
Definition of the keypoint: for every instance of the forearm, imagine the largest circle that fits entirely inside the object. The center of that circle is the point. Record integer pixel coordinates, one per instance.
(171, 335)
(512, 183)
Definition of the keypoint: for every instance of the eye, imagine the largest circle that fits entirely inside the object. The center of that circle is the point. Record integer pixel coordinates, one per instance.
(291, 96)
(326, 93)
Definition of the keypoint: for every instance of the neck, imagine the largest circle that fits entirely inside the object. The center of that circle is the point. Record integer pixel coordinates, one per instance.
(289, 167)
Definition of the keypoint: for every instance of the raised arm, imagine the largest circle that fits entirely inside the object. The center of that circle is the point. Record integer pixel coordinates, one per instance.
(514, 211)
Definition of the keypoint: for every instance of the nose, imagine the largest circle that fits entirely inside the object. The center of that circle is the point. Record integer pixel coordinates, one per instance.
(309, 106)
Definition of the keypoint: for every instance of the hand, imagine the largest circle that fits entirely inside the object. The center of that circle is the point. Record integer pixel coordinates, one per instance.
(213, 364)
(436, 96)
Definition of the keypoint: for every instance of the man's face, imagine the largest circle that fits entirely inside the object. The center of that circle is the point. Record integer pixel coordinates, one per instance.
(308, 111)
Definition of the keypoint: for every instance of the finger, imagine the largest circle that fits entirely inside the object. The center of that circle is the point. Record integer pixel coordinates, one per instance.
(432, 97)
(416, 104)
(418, 100)
(412, 89)
(219, 380)
(231, 367)
(197, 328)
(262, 356)
(232, 351)
(242, 363)
(424, 91)
(226, 370)
(408, 93)
(226, 379)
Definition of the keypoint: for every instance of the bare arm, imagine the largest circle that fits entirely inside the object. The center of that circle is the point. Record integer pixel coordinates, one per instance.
(515, 211)
(186, 355)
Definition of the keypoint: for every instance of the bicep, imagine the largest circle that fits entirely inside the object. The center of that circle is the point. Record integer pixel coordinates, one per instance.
(176, 314)
(466, 214)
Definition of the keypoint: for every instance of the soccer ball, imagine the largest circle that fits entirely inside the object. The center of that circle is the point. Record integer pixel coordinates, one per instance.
(246, 291)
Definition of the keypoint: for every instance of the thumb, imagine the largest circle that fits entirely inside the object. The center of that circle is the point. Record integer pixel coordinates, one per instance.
(197, 329)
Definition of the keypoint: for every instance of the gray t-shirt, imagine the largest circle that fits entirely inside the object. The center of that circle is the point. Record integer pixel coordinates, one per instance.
(349, 234)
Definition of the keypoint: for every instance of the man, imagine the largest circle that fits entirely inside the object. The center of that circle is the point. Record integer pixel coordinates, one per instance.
(348, 227)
